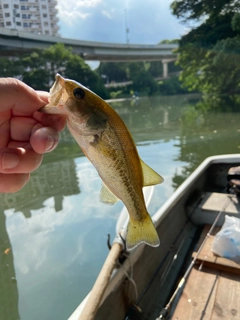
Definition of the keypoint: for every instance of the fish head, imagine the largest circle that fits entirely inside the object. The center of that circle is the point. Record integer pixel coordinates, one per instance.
(82, 108)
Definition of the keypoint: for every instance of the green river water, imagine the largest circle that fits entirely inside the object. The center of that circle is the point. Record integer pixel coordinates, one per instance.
(56, 228)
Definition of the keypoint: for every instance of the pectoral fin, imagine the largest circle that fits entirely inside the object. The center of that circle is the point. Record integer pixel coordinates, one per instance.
(150, 177)
(106, 196)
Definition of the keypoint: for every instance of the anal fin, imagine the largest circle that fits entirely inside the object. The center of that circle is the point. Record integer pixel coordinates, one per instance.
(106, 196)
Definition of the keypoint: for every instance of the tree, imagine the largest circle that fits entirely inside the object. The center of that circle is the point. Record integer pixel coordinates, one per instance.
(197, 10)
(209, 54)
(166, 41)
(10, 67)
(35, 72)
(39, 68)
(113, 71)
(78, 70)
(126, 71)
(171, 86)
(144, 82)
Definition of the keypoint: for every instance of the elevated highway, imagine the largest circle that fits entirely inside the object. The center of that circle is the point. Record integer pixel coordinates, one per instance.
(15, 42)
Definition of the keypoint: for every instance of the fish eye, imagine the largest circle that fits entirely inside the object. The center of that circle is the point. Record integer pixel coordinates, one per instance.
(79, 93)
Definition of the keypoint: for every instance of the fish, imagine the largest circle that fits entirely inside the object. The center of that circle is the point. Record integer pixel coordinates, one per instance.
(107, 143)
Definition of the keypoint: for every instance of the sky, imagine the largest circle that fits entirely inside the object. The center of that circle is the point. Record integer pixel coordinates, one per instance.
(149, 21)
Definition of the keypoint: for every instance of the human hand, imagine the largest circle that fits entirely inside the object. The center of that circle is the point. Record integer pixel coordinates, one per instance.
(25, 133)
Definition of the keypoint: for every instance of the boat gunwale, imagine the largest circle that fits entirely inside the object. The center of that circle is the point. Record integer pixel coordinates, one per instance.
(186, 185)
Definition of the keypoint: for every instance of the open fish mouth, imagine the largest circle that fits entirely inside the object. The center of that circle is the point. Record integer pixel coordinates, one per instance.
(56, 90)
(56, 99)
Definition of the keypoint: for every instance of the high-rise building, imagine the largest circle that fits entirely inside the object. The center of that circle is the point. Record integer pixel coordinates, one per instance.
(36, 16)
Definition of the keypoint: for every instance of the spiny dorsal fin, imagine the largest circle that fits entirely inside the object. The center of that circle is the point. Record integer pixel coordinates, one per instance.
(150, 177)
(106, 196)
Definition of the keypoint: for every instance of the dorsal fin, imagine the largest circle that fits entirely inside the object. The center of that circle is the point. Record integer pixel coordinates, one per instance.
(150, 177)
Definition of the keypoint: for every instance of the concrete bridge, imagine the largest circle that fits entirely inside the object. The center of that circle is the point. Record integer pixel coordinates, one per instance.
(16, 42)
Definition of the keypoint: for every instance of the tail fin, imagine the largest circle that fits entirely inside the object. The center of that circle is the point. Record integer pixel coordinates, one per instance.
(142, 231)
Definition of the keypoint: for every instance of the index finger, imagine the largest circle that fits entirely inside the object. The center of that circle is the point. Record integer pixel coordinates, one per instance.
(19, 97)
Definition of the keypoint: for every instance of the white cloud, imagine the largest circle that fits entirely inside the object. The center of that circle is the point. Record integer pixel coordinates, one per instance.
(107, 14)
(105, 20)
(71, 5)
(71, 10)
(87, 3)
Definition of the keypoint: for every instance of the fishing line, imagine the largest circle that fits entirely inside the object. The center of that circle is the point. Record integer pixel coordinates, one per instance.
(130, 277)
(155, 273)
(171, 262)
(163, 261)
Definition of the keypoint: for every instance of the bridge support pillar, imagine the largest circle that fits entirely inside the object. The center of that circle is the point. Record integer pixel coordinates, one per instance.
(165, 67)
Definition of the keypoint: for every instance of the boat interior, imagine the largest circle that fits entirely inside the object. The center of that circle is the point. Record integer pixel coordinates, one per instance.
(212, 287)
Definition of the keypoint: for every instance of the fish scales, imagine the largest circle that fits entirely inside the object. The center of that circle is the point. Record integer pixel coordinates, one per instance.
(112, 154)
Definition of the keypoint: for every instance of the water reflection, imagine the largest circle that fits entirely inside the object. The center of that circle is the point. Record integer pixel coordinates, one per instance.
(57, 228)
(152, 118)
(8, 283)
(56, 180)
(204, 134)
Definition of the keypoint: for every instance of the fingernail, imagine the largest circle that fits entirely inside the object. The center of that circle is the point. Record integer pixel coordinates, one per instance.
(36, 127)
(50, 143)
(9, 160)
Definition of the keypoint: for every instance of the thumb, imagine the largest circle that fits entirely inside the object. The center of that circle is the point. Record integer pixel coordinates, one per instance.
(10, 183)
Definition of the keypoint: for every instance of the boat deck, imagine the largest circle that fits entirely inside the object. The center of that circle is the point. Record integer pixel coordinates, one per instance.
(212, 289)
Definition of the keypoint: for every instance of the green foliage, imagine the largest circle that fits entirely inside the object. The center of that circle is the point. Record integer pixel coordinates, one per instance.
(171, 86)
(115, 94)
(35, 72)
(173, 67)
(144, 82)
(143, 76)
(56, 58)
(10, 67)
(192, 9)
(209, 54)
(236, 22)
(113, 71)
(39, 68)
(78, 70)
(140, 73)
(126, 71)
(37, 79)
(156, 69)
(136, 68)
(169, 41)
(206, 35)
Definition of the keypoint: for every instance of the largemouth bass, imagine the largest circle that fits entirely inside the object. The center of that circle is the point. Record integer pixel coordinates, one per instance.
(106, 141)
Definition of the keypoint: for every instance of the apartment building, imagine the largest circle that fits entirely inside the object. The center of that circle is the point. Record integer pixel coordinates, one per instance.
(36, 16)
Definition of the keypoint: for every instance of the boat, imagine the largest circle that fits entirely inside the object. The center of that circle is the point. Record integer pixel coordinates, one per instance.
(182, 278)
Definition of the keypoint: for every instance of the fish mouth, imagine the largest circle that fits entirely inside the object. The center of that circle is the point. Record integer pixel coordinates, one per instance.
(56, 96)
(56, 90)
